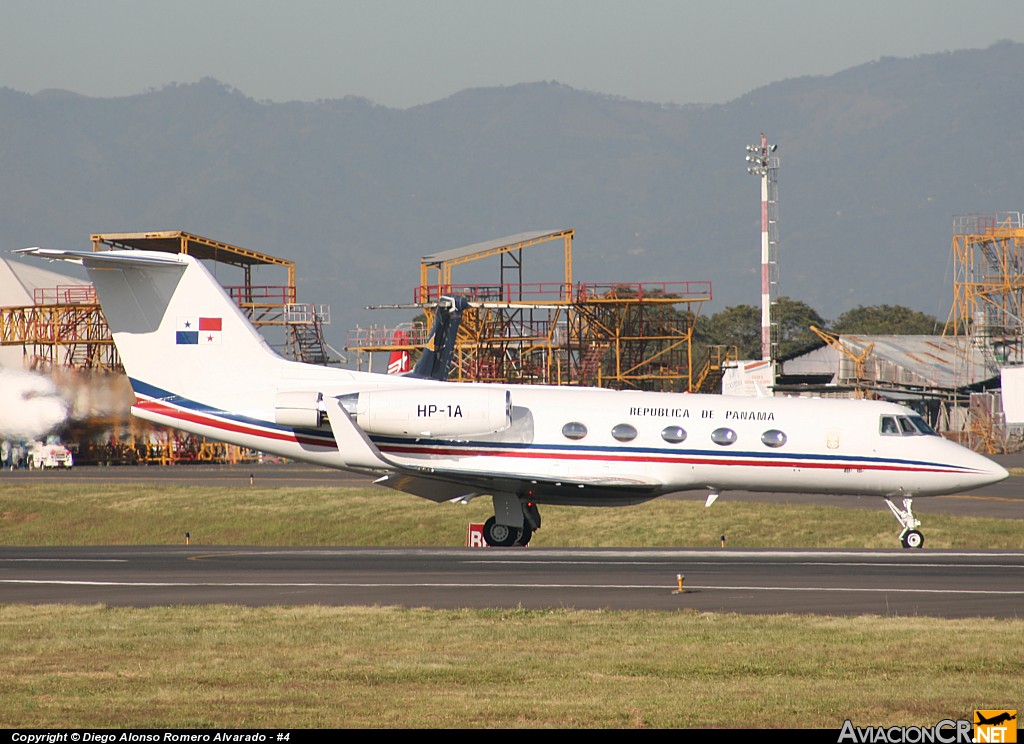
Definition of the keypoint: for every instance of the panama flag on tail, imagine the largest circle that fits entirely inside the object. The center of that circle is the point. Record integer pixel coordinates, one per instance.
(198, 331)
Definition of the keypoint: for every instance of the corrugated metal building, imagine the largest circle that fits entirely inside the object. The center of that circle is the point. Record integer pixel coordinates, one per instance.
(917, 364)
(946, 379)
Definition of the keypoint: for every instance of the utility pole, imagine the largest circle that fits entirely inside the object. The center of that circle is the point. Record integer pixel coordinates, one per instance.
(765, 165)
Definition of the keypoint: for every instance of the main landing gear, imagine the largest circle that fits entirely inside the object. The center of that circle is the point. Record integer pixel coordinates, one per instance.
(911, 537)
(503, 536)
(513, 523)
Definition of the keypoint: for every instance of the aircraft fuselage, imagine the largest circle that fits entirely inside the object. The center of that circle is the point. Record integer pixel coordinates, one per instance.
(613, 446)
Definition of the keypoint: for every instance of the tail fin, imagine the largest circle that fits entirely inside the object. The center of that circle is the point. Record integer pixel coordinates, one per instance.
(436, 360)
(400, 360)
(176, 329)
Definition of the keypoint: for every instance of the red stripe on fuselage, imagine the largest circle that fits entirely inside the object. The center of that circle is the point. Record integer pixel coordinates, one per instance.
(677, 460)
(196, 418)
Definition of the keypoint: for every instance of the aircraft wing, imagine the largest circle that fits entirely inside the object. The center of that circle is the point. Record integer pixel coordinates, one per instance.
(446, 484)
(451, 485)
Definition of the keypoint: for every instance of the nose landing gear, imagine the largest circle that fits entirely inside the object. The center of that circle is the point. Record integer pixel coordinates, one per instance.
(911, 537)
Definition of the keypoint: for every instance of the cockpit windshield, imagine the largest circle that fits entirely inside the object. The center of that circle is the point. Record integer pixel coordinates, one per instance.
(922, 426)
(905, 426)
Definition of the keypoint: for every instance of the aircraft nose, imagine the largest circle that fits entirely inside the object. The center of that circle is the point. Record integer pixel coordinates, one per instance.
(990, 472)
(999, 472)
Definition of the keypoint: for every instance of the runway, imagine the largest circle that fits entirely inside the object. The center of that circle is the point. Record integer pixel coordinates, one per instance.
(897, 582)
(947, 584)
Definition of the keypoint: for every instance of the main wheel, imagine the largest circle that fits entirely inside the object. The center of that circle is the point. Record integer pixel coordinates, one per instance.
(524, 536)
(499, 535)
(913, 539)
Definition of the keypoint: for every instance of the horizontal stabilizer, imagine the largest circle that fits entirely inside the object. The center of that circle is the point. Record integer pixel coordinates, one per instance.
(105, 259)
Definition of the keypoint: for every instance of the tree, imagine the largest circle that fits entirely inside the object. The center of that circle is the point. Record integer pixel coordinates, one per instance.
(885, 320)
(740, 326)
(795, 319)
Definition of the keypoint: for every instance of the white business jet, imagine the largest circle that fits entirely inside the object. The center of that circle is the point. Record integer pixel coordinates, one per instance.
(196, 363)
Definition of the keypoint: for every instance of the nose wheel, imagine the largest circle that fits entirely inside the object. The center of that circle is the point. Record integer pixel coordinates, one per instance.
(911, 537)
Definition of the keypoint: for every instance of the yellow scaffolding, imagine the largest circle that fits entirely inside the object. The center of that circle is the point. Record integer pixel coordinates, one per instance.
(627, 335)
(509, 249)
(65, 327)
(709, 376)
(179, 241)
(988, 293)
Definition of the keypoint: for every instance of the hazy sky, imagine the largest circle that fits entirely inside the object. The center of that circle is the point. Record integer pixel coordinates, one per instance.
(402, 52)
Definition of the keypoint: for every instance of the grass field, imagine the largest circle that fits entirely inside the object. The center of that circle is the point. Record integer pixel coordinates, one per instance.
(225, 666)
(379, 666)
(129, 514)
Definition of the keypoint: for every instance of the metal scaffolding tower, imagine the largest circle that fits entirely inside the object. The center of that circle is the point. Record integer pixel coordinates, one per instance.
(988, 293)
(64, 329)
(634, 335)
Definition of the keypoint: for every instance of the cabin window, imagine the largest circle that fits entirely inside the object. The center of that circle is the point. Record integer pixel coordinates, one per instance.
(574, 430)
(673, 434)
(774, 438)
(723, 436)
(624, 432)
(889, 426)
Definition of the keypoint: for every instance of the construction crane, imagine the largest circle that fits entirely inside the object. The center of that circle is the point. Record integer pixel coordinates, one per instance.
(859, 360)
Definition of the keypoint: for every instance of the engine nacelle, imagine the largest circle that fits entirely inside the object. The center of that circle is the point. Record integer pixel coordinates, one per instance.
(443, 411)
(300, 408)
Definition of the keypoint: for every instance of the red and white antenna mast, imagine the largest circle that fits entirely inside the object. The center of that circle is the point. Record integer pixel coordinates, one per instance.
(766, 166)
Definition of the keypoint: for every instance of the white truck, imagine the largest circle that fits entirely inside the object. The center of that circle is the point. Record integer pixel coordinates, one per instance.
(49, 454)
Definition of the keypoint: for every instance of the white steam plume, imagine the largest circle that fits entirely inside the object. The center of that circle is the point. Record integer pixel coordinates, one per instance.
(29, 405)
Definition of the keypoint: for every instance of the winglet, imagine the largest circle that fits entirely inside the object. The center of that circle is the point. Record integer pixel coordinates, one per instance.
(354, 446)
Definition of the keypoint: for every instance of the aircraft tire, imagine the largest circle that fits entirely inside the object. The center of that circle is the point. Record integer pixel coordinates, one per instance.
(913, 539)
(499, 535)
(524, 536)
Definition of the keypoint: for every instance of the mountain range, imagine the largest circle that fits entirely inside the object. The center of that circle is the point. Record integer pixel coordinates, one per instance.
(875, 161)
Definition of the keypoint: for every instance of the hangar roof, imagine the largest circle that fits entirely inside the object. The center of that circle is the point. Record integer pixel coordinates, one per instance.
(179, 241)
(498, 245)
(932, 361)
